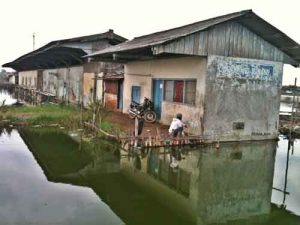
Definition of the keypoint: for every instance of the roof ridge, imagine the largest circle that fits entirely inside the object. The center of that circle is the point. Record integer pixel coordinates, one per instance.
(110, 31)
(242, 12)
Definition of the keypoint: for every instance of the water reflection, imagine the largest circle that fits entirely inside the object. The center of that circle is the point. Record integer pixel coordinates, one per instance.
(229, 185)
(287, 177)
(27, 197)
(214, 185)
(98, 167)
(7, 98)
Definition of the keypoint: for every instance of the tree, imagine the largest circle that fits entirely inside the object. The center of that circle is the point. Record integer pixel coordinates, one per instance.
(3, 75)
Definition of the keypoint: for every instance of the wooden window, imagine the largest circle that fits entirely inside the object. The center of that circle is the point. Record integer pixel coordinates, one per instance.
(169, 90)
(182, 91)
(190, 92)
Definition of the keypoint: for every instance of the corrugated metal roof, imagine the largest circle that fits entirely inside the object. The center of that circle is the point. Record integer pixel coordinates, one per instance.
(247, 18)
(94, 37)
(168, 35)
(55, 53)
(51, 57)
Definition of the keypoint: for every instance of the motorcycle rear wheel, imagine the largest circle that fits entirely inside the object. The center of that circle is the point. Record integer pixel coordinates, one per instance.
(150, 116)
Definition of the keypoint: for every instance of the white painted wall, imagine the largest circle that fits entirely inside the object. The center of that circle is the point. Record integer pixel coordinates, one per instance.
(54, 79)
(142, 73)
(31, 77)
(12, 79)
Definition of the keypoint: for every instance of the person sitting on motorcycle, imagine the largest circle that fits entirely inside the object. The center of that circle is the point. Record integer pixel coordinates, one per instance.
(177, 125)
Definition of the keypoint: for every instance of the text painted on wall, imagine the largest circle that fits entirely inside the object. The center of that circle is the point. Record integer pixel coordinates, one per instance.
(243, 70)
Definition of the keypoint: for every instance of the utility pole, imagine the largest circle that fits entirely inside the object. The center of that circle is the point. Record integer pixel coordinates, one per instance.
(33, 41)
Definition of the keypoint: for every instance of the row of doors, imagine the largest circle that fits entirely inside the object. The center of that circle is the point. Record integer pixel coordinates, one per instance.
(156, 95)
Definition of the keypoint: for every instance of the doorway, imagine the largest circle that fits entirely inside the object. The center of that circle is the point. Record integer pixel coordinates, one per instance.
(157, 96)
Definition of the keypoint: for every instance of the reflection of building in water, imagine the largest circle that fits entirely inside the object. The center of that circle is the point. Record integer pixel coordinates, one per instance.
(210, 185)
(235, 183)
(194, 186)
(97, 167)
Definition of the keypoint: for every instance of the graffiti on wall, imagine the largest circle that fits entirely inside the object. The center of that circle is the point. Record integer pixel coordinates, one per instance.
(245, 70)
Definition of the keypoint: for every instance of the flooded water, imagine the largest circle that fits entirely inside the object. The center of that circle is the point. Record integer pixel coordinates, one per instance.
(285, 108)
(6, 97)
(48, 178)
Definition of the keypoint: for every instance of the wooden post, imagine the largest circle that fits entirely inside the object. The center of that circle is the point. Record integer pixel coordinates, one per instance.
(149, 141)
(69, 84)
(95, 88)
(81, 114)
(136, 125)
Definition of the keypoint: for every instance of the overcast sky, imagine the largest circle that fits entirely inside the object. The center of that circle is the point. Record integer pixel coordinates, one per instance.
(56, 19)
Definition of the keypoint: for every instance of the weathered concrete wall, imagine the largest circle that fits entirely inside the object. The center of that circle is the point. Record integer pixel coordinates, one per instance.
(242, 98)
(102, 69)
(143, 72)
(65, 83)
(88, 88)
(12, 79)
(75, 84)
(28, 78)
(234, 183)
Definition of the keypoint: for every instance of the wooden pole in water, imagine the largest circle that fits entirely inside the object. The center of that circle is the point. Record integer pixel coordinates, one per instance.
(286, 175)
(292, 115)
(149, 138)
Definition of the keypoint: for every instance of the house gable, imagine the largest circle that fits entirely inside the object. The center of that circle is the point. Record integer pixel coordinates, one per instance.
(230, 39)
(242, 34)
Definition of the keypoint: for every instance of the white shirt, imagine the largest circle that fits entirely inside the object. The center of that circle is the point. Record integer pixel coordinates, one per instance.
(176, 123)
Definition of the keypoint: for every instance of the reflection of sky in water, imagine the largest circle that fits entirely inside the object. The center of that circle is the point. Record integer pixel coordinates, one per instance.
(8, 99)
(285, 107)
(28, 198)
(293, 179)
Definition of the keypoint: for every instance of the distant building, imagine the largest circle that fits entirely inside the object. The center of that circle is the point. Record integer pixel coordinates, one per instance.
(59, 69)
(13, 78)
(223, 74)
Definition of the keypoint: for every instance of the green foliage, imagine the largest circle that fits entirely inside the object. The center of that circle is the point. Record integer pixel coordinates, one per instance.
(46, 108)
(110, 128)
(52, 147)
(97, 112)
(3, 75)
(63, 115)
(68, 116)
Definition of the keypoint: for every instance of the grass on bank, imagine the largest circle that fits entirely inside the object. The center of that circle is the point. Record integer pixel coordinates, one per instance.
(42, 115)
(49, 114)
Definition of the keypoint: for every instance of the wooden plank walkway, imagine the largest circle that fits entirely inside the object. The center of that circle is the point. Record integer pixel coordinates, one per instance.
(149, 141)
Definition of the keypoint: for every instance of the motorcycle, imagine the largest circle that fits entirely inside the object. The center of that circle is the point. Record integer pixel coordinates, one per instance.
(144, 110)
